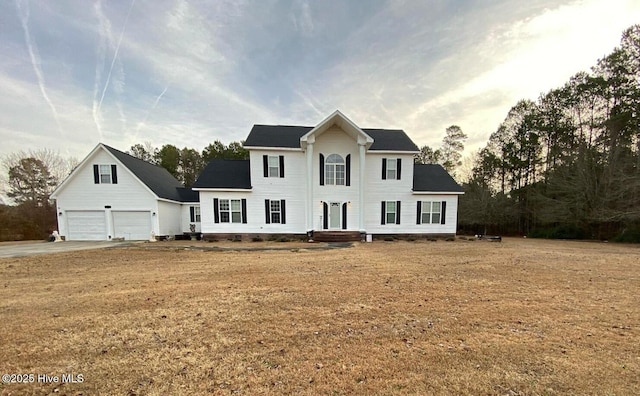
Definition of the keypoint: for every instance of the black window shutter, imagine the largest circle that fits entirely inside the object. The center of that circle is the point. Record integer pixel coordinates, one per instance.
(384, 169)
(283, 212)
(96, 174)
(325, 216)
(244, 211)
(216, 211)
(419, 213)
(344, 216)
(265, 165)
(348, 170)
(399, 168)
(397, 212)
(282, 166)
(383, 213)
(443, 211)
(114, 175)
(192, 214)
(321, 170)
(267, 211)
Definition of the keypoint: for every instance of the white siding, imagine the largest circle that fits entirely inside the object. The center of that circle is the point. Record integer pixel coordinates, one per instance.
(336, 141)
(292, 188)
(81, 193)
(408, 214)
(169, 218)
(186, 217)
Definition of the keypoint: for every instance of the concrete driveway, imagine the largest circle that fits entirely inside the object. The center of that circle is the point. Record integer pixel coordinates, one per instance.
(34, 248)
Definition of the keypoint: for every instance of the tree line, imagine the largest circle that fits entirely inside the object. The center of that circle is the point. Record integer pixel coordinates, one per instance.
(568, 164)
(186, 164)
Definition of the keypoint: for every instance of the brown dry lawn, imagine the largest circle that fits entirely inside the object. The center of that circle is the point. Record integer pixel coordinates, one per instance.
(521, 317)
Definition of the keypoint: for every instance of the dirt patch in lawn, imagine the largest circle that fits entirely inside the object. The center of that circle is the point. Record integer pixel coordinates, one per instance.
(521, 317)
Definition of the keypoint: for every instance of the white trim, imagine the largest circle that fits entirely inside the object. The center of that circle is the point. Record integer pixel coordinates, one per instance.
(83, 163)
(274, 148)
(55, 192)
(436, 193)
(392, 152)
(223, 189)
(172, 201)
(343, 122)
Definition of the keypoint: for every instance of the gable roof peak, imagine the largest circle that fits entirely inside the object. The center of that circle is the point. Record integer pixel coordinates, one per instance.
(341, 121)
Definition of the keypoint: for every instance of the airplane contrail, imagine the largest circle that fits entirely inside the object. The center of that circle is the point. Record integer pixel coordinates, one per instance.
(146, 117)
(35, 60)
(115, 55)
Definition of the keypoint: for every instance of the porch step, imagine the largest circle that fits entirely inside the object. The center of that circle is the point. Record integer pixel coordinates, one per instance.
(336, 236)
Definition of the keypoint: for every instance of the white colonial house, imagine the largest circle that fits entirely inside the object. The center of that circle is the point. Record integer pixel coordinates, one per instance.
(113, 195)
(331, 179)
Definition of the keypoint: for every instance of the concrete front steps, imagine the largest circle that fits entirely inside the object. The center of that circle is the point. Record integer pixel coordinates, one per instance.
(336, 236)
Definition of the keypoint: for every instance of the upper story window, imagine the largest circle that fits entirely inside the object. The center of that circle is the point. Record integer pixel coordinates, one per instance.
(391, 168)
(105, 174)
(273, 165)
(334, 170)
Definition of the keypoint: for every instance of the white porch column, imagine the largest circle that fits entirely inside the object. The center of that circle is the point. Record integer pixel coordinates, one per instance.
(310, 185)
(361, 183)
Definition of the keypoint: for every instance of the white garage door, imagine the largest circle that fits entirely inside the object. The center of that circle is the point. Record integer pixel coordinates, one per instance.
(132, 225)
(86, 225)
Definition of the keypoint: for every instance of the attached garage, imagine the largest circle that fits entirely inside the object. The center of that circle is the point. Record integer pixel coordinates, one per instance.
(132, 225)
(86, 225)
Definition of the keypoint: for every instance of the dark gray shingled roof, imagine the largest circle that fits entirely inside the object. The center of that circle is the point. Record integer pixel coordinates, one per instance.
(188, 195)
(157, 178)
(221, 173)
(433, 178)
(289, 137)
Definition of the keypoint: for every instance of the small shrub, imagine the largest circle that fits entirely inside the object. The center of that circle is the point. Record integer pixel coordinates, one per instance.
(450, 239)
(411, 239)
(431, 239)
(389, 239)
(283, 239)
(257, 238)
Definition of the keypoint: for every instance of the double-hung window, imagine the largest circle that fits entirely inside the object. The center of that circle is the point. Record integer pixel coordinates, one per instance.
(230, 211)
(431, 212)
(105, 174)
(274, 211)
(274, 166)
(194, 214)
(390, 212)
(391, 168)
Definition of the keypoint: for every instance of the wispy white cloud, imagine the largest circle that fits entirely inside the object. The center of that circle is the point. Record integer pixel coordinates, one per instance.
(106, 37)
(200, 71)
(23, 14)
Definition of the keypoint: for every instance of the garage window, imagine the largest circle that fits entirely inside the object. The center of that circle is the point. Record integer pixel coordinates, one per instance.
(105, 174)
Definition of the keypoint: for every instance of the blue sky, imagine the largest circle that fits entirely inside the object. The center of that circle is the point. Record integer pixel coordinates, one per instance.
(74, 73)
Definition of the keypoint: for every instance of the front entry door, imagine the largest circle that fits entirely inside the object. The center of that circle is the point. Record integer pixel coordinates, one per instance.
(334, 215)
